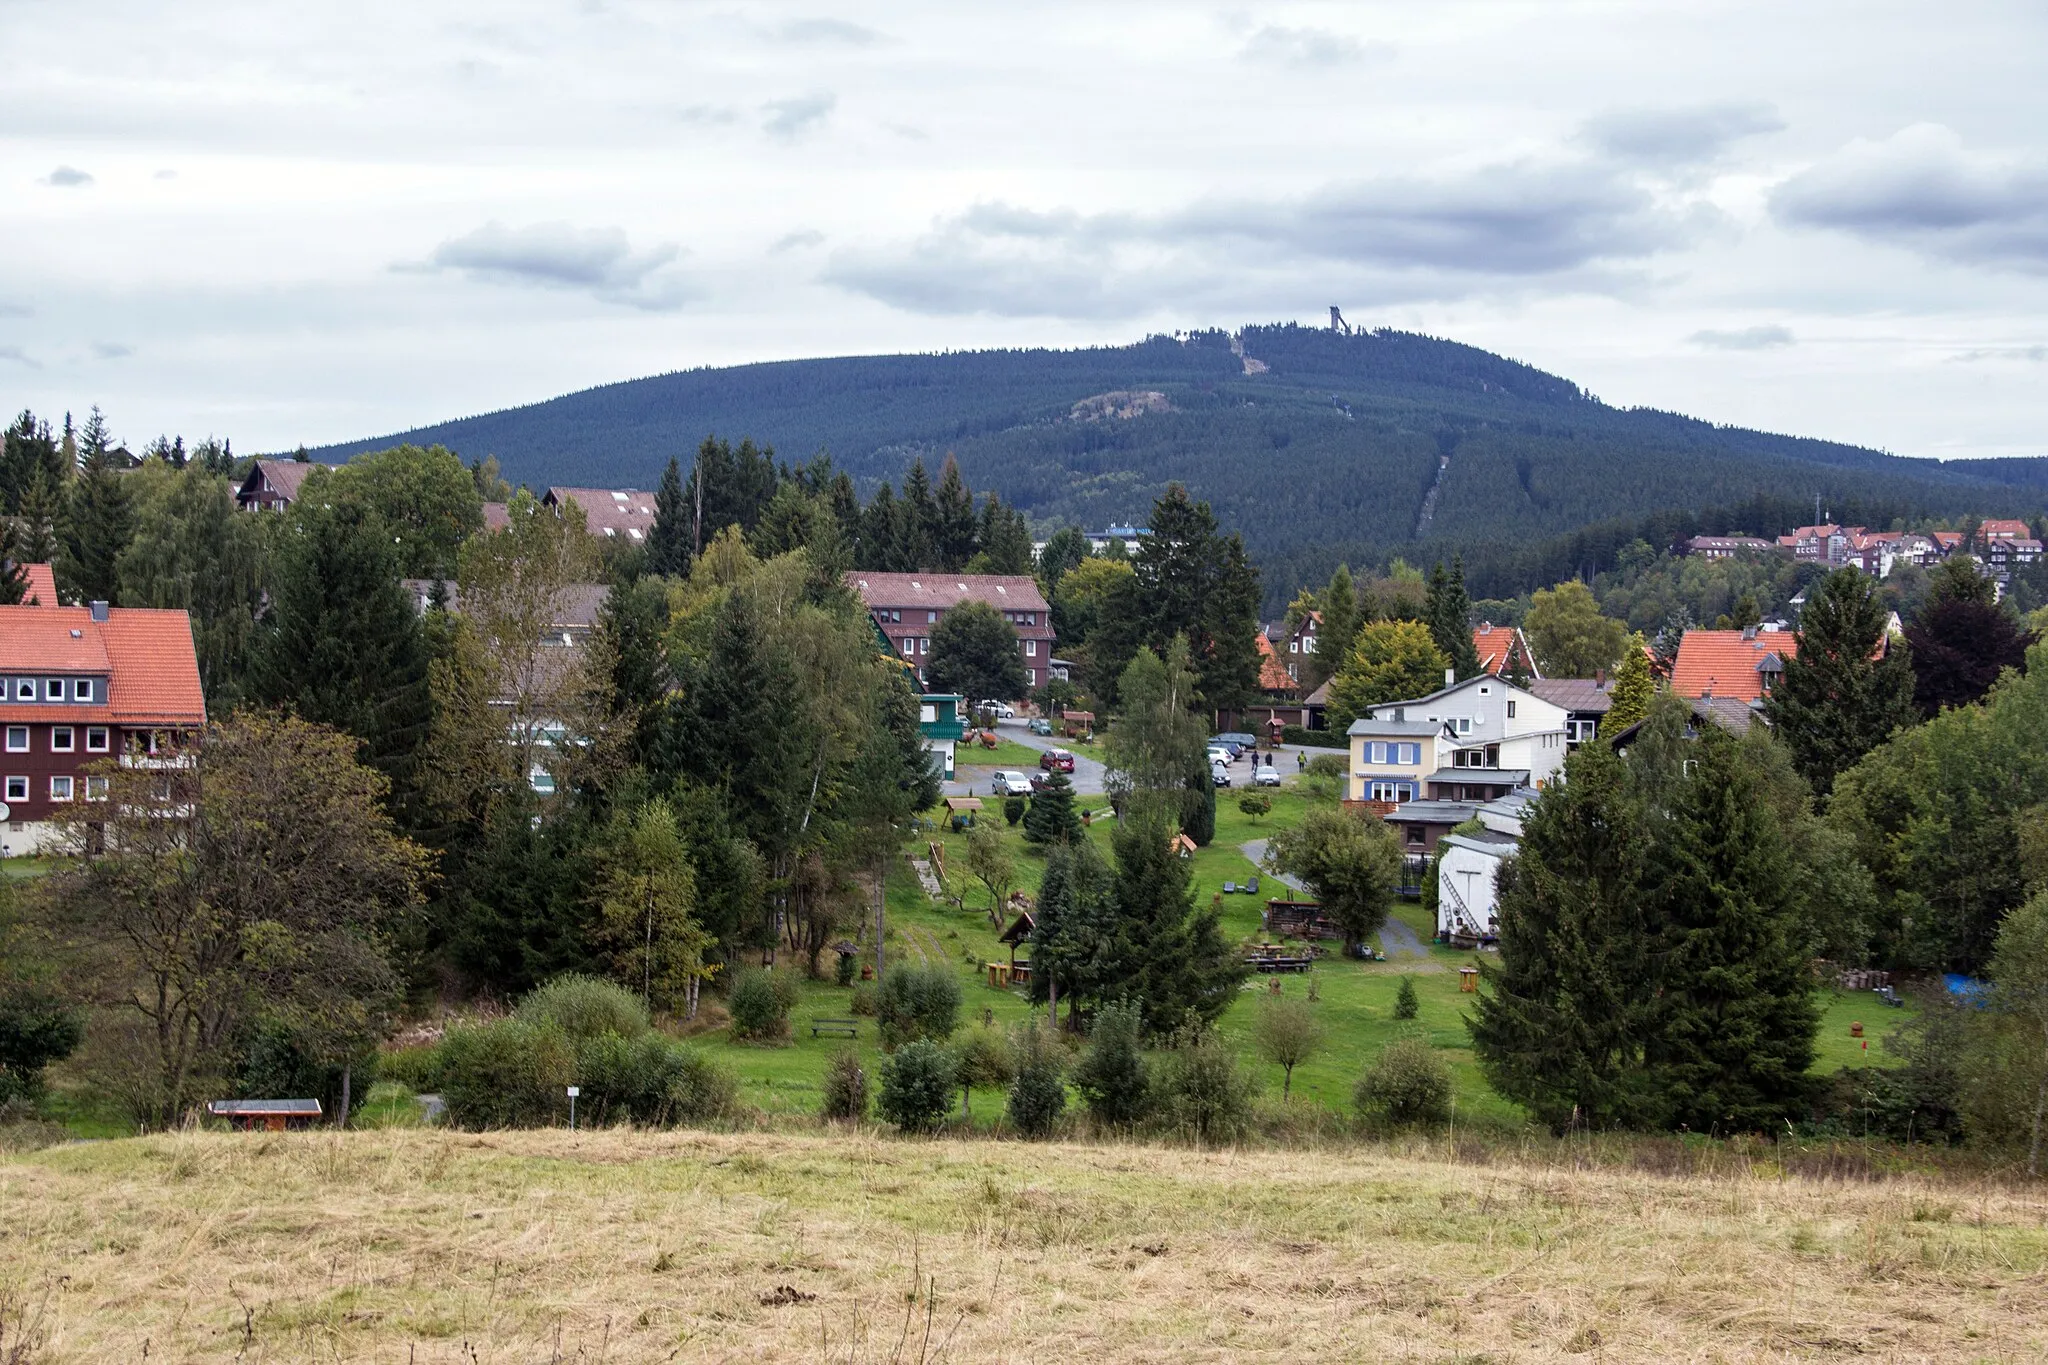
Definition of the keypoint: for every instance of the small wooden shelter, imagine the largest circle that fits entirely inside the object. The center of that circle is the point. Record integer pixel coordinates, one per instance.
(270, 1116)
(1075, 724)
(960, 810)
(1299, 919)
(1020, 931)
(1183, 846)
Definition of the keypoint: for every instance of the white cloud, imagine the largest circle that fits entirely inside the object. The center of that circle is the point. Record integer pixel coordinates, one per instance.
(1765, 337)
(1311, 47)
(792, 118)
(67, 177)
(1679, 136)
(597, 261)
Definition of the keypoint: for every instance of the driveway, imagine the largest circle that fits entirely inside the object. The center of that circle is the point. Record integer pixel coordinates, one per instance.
(1088, 772)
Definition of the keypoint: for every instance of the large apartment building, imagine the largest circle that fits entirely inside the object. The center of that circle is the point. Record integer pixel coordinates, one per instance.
(906, 606)
(85, 685)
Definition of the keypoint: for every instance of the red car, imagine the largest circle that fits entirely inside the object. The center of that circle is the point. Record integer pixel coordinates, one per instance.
(1056, 759)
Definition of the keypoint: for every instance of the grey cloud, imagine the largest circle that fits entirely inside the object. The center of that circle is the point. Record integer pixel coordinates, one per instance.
(15, 310)
(796, 240)
(828, 31)
(1921, 188)
(112, 350)
(792, 117)
(1762, 338)
(1678, 136)
(599, 261)
(1310, 47)
(65, 177)
(2033, 354)
(1410, 237)
(19, 357)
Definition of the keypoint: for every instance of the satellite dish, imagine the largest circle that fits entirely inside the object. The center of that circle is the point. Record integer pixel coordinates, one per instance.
(4, 812)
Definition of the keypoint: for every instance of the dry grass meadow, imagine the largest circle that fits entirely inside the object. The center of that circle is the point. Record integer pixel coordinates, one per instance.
(424, 1246)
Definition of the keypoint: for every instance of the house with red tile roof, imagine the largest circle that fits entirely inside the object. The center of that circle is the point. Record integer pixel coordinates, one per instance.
(906, 606)
(1737, 665)
(2004, 528)
(39, 586)
(83, 686)
(1493, 644)
(611, 513)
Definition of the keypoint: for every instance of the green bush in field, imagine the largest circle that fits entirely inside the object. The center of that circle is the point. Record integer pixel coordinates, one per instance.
(651, 1080)
(864, 1001)
(417, 1068)
(1039, 1094)
(1013, 810)
(917, 1001)
(1406, 1084)
(846, 1086)
(280, 1063)
(1112, 1076)
(759, 1003)
(1203, 1093)
(508, 1073)
(917, 1086)
(1405, 1003)
(983, 1056)
(585, 1007)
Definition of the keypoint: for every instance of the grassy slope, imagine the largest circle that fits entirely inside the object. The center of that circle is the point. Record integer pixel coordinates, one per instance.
(434, 1248)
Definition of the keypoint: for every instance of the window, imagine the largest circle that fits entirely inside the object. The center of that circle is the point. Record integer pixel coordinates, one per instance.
(1416, 837)
(1390, 791)
(1464, 725)
(1031, 649)
(82, 690)
(53, 689)
(1485, 691)
(1031, 676)
(24, 689)
(60, 789)
(931, 618)
(17, 789)
(924, 644)
(62, 739)
(895, 616)
(95, 739)
(1511, 708)
(17, 739)
(909, 644)
(1410, 753)
(95, 788)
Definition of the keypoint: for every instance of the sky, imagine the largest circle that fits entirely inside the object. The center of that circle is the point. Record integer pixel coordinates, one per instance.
(312, 222)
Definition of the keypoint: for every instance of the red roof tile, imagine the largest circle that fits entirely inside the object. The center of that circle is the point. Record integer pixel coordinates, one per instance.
(1725, 662)
(42, 586)
(1272, 673)
(1005, 592)
(2010, 528)
(1491, 643)
(147, 656)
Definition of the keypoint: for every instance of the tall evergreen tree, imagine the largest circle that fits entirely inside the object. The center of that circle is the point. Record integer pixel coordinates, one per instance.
(1730, 1032)
(1558, 1026)
(29, 453)
(920, 544)
(1847, 688)
(1050, 820)
(730, 487)
(1171, 956)
(1962, 638)
(1338, 603)
(881, 534)
(953, 519)
(668, 543)
(1073, 934)
(1449, 613)
(1064, 550)
(1634, 688)
(1005, 539)
(1195, 582)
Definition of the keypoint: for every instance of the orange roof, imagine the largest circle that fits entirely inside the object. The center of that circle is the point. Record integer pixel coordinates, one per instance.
(2010, 528)
(1491, 643)
(146, 656)
(42, 586)
(1272, 673)
(1725, 662)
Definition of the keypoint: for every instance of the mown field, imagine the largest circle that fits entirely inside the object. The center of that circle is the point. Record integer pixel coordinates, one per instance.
(425, 1247)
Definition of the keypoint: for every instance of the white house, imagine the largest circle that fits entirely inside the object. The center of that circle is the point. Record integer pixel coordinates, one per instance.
(1468, 869)
(1492, 737)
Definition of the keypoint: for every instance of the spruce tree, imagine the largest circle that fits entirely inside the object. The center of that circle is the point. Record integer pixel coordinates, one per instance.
(1730, 1032)
(1847, 688)
(920, 547)
(1448, 610)
(668, 543)
(1558, 1026)
(881, 534)
(1074, 930)
(1338, 603)
(1171, 955)
(98, 521)
(1051, 819)
(953, 521)
(1962, 638)
(1633, 689)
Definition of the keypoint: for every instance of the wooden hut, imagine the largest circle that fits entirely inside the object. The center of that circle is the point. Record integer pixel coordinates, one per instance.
(960, 811)
(1299, 919)
(270, 1116)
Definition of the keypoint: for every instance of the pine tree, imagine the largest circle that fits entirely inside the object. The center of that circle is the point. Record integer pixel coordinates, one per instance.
(1448, 610)
(1338, 603)
(1730, 1033)
(953, 521)
(881, 534)
(1074, 930)
(1171, 956)
(1193, 581)
(920, 547)
(1051, 819)
(1633, 688)
(1962, 639)
(1847, 688)
(1557, 1028)
(1005, 539)
(98, 521)
(668, 543)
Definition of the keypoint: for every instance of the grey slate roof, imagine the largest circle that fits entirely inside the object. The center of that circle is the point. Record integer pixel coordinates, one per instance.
(1363, 726)
(1432, 812)
(1483, 777)
(1583, 695)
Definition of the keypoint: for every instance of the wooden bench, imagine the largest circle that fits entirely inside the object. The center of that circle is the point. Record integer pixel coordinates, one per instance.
(841, 1027)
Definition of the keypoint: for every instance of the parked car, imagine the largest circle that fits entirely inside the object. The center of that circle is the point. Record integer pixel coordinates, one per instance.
(1010, 782)
(1001, 710)
(1217, 754)
(1268, 776)
(1056, 759)
(1039, 726)
(1219, 774)
(1238, 740)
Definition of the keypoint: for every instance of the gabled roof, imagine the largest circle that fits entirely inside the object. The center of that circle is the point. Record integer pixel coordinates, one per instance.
(1432, 812)
(1365, 725)
(1730, 663)
(146, 655)
(937, 591)
(1412, 702)
(41, 587)
(1491, 643)
(282, 477)
(2006, 528)
(1583, 695)
(616, 513)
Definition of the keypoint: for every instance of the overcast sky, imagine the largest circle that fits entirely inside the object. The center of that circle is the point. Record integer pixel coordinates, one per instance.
(311, 222)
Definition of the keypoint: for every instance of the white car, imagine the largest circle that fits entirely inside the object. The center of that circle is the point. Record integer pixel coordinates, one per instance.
(1001, 710)
(1009, 782)
(1219, 756)
(1268, 776)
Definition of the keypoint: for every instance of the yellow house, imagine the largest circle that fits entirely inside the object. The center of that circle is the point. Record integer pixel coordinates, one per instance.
(1390, 759)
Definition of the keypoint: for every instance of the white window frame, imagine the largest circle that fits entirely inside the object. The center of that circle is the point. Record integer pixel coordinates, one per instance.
(17, 789)
(60, 788)
(82, 690)
(96, 788)
(63, 739)
(53, 689)
(1031, 649)
(24, 689)
(17, 732)
(1464, 725)
(106, 738)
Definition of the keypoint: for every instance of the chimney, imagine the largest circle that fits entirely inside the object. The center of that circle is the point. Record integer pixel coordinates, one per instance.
(1749, 632)
(1450, 676)
(99, 611)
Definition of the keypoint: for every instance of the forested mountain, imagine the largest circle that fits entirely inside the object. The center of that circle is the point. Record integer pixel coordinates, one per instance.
(1318, 445)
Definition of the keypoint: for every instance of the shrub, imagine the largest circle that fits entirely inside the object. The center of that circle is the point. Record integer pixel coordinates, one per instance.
(759, 1004)
(36, 1029)
(508, 1073)
(846, 1086)
(849, 963)
(278, 1063)
(1287, 1032)
(1112, 1077)
(1039, 1094)
(1322, 739)
(1407, 1083)
(917, 1002)
(1013, 810)
(1328, 765)
(1405, 1004)
(417, 1068)
(650, 1080)
(1255, 804)
(917, 1085)
(586, 1007)
(1202, 1092)
(864, 1001)
(983, 1057)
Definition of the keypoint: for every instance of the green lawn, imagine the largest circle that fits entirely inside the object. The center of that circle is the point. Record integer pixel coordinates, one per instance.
(1008, 753)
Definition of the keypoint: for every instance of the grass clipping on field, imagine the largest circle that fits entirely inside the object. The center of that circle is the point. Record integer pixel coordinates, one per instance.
(428, 1246)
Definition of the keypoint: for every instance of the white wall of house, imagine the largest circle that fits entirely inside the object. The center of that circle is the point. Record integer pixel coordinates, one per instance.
(30, 838)
(1481, 712)
(1466, 899)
